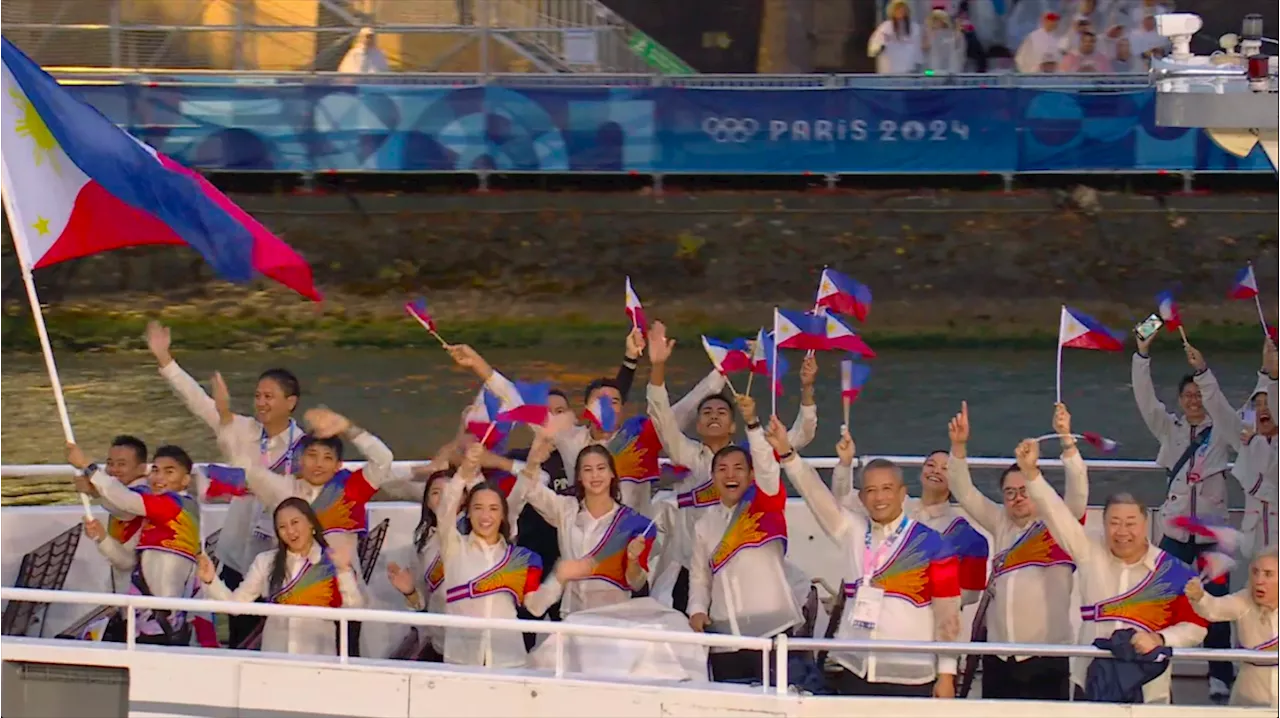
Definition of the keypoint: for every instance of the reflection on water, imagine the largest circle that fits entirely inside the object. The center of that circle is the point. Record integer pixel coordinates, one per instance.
(413, 399)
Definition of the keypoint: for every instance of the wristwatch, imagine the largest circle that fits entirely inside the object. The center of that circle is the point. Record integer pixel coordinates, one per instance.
(89, 470)
(753, 425)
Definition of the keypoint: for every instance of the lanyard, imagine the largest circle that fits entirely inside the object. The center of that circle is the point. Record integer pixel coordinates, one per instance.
(263, 442)
(871, 561)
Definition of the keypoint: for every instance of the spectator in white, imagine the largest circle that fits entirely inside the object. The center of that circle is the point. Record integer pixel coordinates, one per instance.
(1253, 611)
(1087, 57)
(1133, 13)
(1071, 39)
(1122, 59)
(1049, 65)
(898, 44)
(1108, 41)
(364, 57)
(1086, 10)
(1025, 18)
(1039, 46)
(1146, 42)
(944, 45)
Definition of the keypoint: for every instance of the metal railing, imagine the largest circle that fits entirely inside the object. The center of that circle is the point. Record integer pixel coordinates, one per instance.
(779, 648)
(818, 462)
(423, 35)
(162, 77)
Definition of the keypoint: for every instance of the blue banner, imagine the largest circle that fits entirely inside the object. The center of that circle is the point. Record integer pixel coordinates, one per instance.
(658, 130)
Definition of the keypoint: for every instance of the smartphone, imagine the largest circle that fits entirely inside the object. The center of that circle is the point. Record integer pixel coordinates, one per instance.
(1148, 327)
(1249, 419)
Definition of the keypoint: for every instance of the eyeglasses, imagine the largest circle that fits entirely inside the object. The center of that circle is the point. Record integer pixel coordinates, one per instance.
(1011, 494)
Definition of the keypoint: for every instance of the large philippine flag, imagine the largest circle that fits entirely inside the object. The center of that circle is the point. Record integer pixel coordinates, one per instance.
(78, 185)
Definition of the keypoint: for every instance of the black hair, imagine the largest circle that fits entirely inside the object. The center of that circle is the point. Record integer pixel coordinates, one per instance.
(597, 385)
(1186, 379)
(333, 442)
(504, 527)
(931, 454)
(1089, 33)
(279, 565)
(1005, 474)
(132, 442)
(177, 453)
(427, 517)
(286, 379)
(615, 484)
(560, 393)
(883, 464)
(728, 450)
(1123, 498)
(733, 410)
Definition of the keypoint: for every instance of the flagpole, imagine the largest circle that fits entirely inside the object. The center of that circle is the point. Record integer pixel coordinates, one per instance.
(18, 229)
(1061, 319)
(773, 368)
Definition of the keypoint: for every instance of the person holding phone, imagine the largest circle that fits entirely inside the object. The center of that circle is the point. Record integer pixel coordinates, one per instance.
(1194, 457)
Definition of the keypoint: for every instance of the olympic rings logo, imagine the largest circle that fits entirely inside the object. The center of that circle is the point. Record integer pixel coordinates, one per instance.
(730, 129)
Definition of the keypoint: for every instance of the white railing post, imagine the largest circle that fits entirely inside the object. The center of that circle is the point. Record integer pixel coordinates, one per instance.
(781, 663)
(559, 639)
(130, 627)
(344, 641)
(764, 670)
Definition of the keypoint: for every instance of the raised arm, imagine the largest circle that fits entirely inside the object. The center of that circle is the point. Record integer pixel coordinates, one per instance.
(806, 423)
(1158, 419)
(325, 423)
(1224, 416)
(269, 487)
(343, 558)
(253, 587)
(833, 520)
(531, 485)
(1063, 525)
(986, 512)
(451, 498)
(1231, 607)
(768, 472)
(122, 497)
(682, 450)
(627, 370)
(1076, 490)
(544, 597)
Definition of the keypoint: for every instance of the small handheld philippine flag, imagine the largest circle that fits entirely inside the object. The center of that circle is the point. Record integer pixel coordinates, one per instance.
(1100, 442)
(1169, 310)
(635, 312)
(528, 405)
(1078, 330)
(600, 412)
(418, 310)
(1246, 284)
(852, 377)
(843, 295)
(727, 358)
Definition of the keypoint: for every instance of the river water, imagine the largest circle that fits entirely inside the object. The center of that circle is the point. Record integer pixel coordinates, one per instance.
(413, 398)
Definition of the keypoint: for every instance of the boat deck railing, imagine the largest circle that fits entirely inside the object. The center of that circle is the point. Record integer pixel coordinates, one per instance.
(777, 649)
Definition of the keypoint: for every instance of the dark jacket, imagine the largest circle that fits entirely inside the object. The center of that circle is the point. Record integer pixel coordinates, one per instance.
(1120, 679)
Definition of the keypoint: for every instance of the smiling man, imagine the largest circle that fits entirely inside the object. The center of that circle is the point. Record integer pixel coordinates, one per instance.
(1110, 570)
(737, 580)
(1194, 454)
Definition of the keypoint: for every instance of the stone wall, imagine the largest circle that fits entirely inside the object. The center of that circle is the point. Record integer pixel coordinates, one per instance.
(760, 245)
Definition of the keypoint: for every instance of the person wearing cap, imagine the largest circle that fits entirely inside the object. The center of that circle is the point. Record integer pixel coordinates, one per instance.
(364, 57)
(1040, 44)
(1024, 18)
(944, 45)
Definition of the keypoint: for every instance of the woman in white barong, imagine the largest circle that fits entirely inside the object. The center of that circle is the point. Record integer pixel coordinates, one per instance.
(304, 571)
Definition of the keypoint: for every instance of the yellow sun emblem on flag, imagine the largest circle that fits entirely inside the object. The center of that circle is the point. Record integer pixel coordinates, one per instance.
(31, 125)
